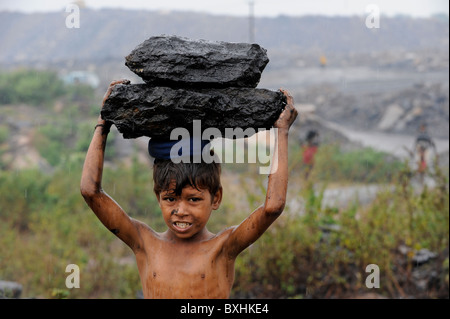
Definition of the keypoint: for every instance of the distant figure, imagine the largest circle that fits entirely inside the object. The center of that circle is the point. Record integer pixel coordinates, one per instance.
(309, 150)
(421, 150)
(323, 61)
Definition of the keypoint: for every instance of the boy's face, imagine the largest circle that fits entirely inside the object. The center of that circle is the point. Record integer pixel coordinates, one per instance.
(186, 214)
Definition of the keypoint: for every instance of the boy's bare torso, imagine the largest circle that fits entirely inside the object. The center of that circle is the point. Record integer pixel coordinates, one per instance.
(172, 269)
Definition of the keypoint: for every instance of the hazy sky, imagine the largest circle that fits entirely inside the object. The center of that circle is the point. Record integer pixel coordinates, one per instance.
(417, 8)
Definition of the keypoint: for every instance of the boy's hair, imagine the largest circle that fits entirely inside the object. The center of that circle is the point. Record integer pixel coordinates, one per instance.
(197, 175)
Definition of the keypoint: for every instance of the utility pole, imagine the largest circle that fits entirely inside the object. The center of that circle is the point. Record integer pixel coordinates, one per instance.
(251, 21)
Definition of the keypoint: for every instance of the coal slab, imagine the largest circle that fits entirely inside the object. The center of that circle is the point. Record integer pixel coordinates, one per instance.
(140, 110)
(181, 62)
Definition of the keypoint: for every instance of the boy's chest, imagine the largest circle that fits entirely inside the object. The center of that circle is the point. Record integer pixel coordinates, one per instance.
(173, 263)
(197, 272)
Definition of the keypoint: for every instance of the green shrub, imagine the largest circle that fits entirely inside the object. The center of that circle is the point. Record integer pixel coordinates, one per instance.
(41, 87)
(363, 165)
(4, 133)
(30, 86)
(46, 225)
(299, 257)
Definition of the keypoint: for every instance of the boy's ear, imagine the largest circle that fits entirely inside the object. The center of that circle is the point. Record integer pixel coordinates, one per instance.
(217, 199)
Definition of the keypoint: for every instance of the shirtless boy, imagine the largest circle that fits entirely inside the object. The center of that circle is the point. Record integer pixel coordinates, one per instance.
(186, 261)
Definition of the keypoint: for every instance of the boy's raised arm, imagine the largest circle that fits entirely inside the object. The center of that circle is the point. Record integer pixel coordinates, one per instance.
(257, 223)
(106, 209)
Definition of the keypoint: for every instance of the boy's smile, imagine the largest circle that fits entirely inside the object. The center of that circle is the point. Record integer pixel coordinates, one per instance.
(186, 214)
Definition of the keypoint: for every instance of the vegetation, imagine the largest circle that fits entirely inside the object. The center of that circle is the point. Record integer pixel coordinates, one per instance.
(323, 252)
(312, 250)
(29, 86)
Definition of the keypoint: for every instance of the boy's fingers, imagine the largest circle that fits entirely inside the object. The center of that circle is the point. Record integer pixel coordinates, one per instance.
(290, 112)
(111, 85)
(123, 81)
(289, 98)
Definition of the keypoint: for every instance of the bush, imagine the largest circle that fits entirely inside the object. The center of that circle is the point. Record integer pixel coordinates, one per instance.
(301, 256)
(51, 142)
(4, 133)
(56, 142)
(46, 225)
(363, 165)
(35, 87)
(30, 87)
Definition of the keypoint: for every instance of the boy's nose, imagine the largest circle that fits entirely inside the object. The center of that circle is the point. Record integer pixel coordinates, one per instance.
(180, 211)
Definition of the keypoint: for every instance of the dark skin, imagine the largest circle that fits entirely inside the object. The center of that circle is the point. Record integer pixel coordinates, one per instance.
(187, 260)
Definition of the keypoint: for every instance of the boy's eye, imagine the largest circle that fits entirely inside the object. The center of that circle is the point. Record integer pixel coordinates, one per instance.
(195, 199)
(169, 199)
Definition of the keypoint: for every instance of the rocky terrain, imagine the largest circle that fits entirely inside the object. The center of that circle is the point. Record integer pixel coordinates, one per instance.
(385, 81)
(112, 33)
(398, 112)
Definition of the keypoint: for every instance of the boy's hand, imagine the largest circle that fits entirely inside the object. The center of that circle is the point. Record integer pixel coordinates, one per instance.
(289, 114)
(105, 97)
(111, 85)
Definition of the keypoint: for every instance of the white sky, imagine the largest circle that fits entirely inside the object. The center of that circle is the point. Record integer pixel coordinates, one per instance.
(270, 8)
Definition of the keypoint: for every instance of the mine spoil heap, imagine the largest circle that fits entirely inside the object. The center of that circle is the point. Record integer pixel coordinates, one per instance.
(187, 80)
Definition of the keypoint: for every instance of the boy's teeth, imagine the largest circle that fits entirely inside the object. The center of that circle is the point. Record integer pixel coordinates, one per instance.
(182, 225)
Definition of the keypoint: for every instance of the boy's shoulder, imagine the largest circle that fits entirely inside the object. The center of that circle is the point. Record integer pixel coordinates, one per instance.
(225, 233)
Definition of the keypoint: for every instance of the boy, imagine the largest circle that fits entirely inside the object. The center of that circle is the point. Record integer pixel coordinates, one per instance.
(186, 261)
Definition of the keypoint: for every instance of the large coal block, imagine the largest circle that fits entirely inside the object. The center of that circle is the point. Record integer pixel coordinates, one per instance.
(140, 110)
(180, 62)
